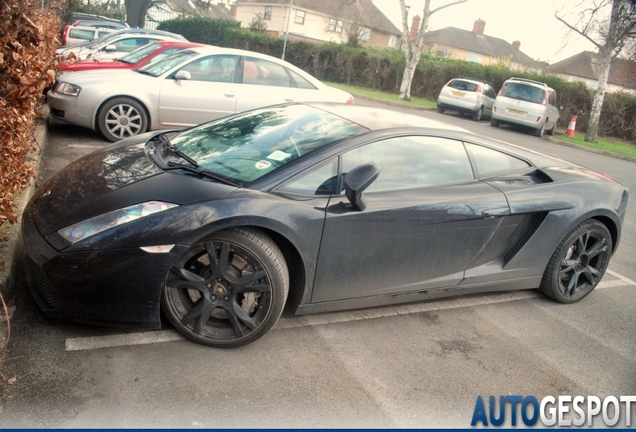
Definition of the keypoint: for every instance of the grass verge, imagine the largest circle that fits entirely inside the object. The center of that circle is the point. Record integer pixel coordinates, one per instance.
(603, 144)
(384, 97)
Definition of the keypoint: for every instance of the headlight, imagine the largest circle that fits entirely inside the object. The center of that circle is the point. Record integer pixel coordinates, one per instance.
(69, 89)
(92, 226)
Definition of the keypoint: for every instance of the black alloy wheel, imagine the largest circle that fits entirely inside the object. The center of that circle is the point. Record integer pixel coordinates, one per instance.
(578, 263)
(227, 291)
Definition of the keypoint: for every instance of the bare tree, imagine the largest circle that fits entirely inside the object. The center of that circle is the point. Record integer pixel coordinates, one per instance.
(610, 38)
(413, 54)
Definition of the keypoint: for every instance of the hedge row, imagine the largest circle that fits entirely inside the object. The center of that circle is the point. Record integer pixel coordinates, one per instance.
(381, 69)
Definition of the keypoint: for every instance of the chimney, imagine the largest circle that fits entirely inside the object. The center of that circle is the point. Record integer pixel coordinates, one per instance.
(415, 26)
(516, 44)
(479, 27)
(233, 10)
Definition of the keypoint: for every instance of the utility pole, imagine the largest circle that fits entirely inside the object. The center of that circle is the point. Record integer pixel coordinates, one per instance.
(287, 29)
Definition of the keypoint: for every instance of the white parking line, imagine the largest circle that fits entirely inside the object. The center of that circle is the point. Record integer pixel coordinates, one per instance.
(95, 342)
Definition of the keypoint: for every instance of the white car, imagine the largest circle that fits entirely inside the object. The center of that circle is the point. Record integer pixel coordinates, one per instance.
(187, 88)
(467, 96)
(117, 44)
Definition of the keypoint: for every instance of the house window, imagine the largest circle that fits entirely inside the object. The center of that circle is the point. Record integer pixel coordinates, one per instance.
(392, 41)
(365, 33)
(335, 25)
(268, 13)
(300, 17)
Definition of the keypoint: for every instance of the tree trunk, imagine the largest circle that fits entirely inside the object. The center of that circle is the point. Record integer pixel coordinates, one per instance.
(595, 115)
(136, 12)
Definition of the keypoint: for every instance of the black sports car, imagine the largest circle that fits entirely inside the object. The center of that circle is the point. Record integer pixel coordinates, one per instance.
(321, 207)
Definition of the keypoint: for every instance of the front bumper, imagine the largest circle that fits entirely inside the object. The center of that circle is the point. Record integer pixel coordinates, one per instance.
(107, 287)
(69, 109)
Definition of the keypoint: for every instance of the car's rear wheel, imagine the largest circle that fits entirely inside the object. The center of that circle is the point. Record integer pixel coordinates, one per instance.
(551, 130)
(227, 291)
(477, 114)
(440, 109)
(121, 118)
(494, 123)
(578, 263)
(538, 132)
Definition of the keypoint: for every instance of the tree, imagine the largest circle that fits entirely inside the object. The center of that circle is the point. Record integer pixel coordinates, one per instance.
(610, 36)
(413, 54)
(258, 24)
(136, 12)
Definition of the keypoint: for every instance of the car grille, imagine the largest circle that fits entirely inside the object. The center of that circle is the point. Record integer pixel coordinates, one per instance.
(532, 227)
(41, 284)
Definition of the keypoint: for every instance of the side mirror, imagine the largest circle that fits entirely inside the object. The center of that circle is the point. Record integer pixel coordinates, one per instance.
(110, 48)
(183, 75)
(357, 180)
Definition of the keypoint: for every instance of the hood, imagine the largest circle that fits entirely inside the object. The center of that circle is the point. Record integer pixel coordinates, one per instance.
(104, 77)
(116, 177)
(93, 65)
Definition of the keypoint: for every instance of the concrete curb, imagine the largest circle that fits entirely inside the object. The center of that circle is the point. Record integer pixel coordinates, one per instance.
(13, 253)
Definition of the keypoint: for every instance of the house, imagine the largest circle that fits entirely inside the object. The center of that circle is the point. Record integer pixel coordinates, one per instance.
(323, 20)
(586, 67)
(475, 46)
(170, 9)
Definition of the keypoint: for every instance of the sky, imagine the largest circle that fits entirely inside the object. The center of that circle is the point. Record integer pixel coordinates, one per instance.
(531, 22)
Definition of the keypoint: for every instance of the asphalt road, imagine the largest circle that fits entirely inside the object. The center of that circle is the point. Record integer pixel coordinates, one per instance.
(420, 365)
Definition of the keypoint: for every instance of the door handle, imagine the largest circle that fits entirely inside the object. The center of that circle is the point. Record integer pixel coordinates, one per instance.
(229, 95)
(289, 99)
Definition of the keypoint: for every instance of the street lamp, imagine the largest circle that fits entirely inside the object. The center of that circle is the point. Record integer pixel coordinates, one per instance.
(287, 30)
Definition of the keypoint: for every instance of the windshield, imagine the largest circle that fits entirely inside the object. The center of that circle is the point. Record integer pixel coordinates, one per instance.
(524, 92)
(247, 146)
(165, 64)
(104, 39)
(140, 53)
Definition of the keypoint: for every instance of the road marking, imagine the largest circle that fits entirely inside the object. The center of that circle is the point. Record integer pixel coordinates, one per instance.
(287, 322)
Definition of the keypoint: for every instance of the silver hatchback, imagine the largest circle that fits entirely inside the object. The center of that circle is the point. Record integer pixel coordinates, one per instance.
(467, 96)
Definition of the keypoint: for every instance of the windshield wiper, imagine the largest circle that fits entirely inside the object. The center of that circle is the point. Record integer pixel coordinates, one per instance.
(202, 172)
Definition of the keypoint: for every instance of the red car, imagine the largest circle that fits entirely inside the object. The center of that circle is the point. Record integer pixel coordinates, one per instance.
(136, 59)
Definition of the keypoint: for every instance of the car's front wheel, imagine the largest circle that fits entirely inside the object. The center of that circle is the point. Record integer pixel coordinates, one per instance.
(227, 291)
(477, 114)
(121, 118)
(538, 132)
(578, 263)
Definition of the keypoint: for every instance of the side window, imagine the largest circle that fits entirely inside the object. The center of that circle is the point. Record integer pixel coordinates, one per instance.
(219, 68)
(262, 72)
(319, 180)
(412, 162)
(489, 162)
(130, 44)
(300, 81)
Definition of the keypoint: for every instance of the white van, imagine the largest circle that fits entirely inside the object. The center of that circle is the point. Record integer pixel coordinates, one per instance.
(527, 103)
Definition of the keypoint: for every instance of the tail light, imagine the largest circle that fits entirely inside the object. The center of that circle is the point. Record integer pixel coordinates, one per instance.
(448, 83)
(605, 176)
(478, 89)
(65, 34)
(350, 101)
(545, 98)
(501, 89)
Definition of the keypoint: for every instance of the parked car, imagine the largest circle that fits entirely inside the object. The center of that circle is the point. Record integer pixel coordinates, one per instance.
(134, 60)
(527, 103)
(184, 89)
(115, 44)
(467, 96)
(322, 207)
(82, 32)
(85, 18)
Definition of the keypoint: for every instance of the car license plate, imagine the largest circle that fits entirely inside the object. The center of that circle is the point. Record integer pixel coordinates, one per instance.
(515, 111)
(458, 94)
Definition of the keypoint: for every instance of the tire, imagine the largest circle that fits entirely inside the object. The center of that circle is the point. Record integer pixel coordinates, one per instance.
(121, 118)
(551, 130)
(494, 123)
(578, 263)
(440, 109)
(227, 291)
(477, 115)
(539, 131)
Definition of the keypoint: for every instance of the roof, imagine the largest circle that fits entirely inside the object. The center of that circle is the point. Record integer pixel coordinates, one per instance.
(358, 11)
(480, 44)
(587, 65)
(194, 7)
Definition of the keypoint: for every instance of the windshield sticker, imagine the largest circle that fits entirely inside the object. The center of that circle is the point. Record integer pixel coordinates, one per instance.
(278, 156)
(263, 164)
